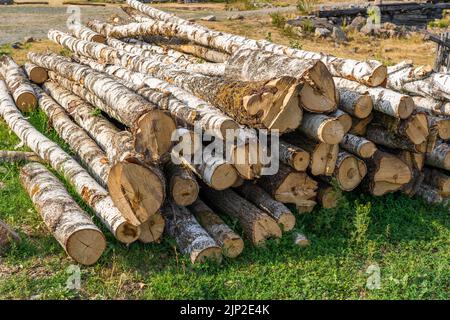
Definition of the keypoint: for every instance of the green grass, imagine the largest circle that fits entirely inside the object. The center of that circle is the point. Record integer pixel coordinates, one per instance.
(408, 239)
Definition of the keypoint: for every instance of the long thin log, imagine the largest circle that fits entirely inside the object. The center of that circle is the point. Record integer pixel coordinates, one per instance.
(183, 187)
(89, 189)
(18, 84)
(322, 128)
(7, 237)
(382, 136)
(35, 73)
(294, 156)
(67, 222)
(191, 238)
(433, 106)
(81, 32)
(257, 225)
(439, 157)
(231, 243)
(278, 211)
(359, 105)
(358, 146)
(16, 156)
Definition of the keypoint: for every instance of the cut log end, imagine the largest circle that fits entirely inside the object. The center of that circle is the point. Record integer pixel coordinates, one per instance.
(378, 76)
(291, 114)
(228, 125)
(332, 131)
(367, 149)
(26, 102)
(443, 127)
(328, 197)
(224, 177)
(136, 191)
(127, 233)
(153, 229)
(323, 160)
(86, 246)
(265, 228)
(184, 191)
(295, 188)
(99, 38)
(38, 75)
(287, 221)
(417, 128)
(209, 254)
(301, 160)
(350, 173)
(405, 107)
(232, 247)
(363, 107)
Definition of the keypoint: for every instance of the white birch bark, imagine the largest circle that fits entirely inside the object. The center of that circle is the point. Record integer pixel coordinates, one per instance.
(82, 32)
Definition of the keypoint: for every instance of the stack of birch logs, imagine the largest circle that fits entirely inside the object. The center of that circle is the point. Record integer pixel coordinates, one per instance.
(131, 98)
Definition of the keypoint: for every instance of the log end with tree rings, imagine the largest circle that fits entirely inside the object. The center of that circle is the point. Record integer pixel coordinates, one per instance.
(183, 191)
(223, 177)
(232, 247)
(127, 233)
(331, 131)
(367, 149)
(443, 127)
(86, 246)
(153, 134)
(405, 107)
(286, 221)
(378, 76)
(295, 188)
(137, 191)
(323, 159)
(26, 101)
(363, 106)
(207, 254)
(152, 230)
(350, 172)
(300, 160)
(38, 75)
(417, 128)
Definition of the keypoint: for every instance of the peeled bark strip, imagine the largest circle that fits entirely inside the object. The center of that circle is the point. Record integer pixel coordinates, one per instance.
(7, 236)
(439, 180)
(91, 192)
(294, 156)
(258, 226)
(327, 196)
(371, 72)
(136, 189)
(152, 230)
(439, 157)
(392, 140)
(213, 170)
(35, 73)
(430, 195)
(18, 84)
(183, 187)
(67, 222)
(420, 81)
(349, 171)
(344, 119)
(16, 156)
(358, 145)
(415, 128)
(322, 128)
(289, 186)
(152, 128)
(191, 238)
(385, 173)
(322, 156)
(359, 126)
(260, 198)
(317, 93)
(384, 100)
(359, 105)
(81, 32)
(231, 243)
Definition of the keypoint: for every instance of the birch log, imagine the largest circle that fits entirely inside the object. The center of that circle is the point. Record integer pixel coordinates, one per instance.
(257, 225)
(349, 171)
(370, 72)
(344, 119)
(7, 237)
(17, 156)
(152, 230)
(191, 238)
(322, 128)
(327, 196)
(439, 157)
(384, 100)
(90, 191)
(67, 222)
(382, 136)
(358, 146)
(18, 84)
(230, 242)
(433, 106)
(359, 105)
(81, 32)
(152, 128)
(35, 73)
(136, 189)
(260, 198)
(438, 180)
(359, 126)
(294, 156)
(183, 187)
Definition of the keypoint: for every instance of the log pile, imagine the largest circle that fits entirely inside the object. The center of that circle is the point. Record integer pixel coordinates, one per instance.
(166, 145)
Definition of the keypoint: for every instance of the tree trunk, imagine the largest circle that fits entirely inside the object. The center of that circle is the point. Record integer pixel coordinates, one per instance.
(289, 186)
(7, 236)
(344, 119)
(18, 156)
(349, 171)
(294, 156)
(81, 32)
(322, 128)
(359, 126)
(18, 84)
(136, 189)
(35, 73)
(359, 146)
(67, 222)
(359, 105)
(260, 198)
(152, 128)
(191, 238)
(438, 180)
(89, 190)
(152, 230)
(258, 226)
(183, 187)
(382, 136)
(439, 157)
(327, 196)
(231, 243)
(384, 100)
(385, 173)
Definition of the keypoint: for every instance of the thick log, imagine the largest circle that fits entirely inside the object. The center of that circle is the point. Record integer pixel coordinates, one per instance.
(382, 136)
(260, 198)
(67, 222)
(289, 186)
(90, 191)
(183, 187)
(230, 242)
(294, 156)
(344, 119)
(18, 156)
(35, 73)
(359, 105)
(191, 238)
(7, 237)
(257, 225)
(439, 157)
(18, 84)
(152, 128)
(359, 126)
(152, 230)
(417, 175)
(322, 128)
(438, 180)
(384, 100)
(359, 146)
(81, 32)
(370, 72)
(385, 173)
(349, 171)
